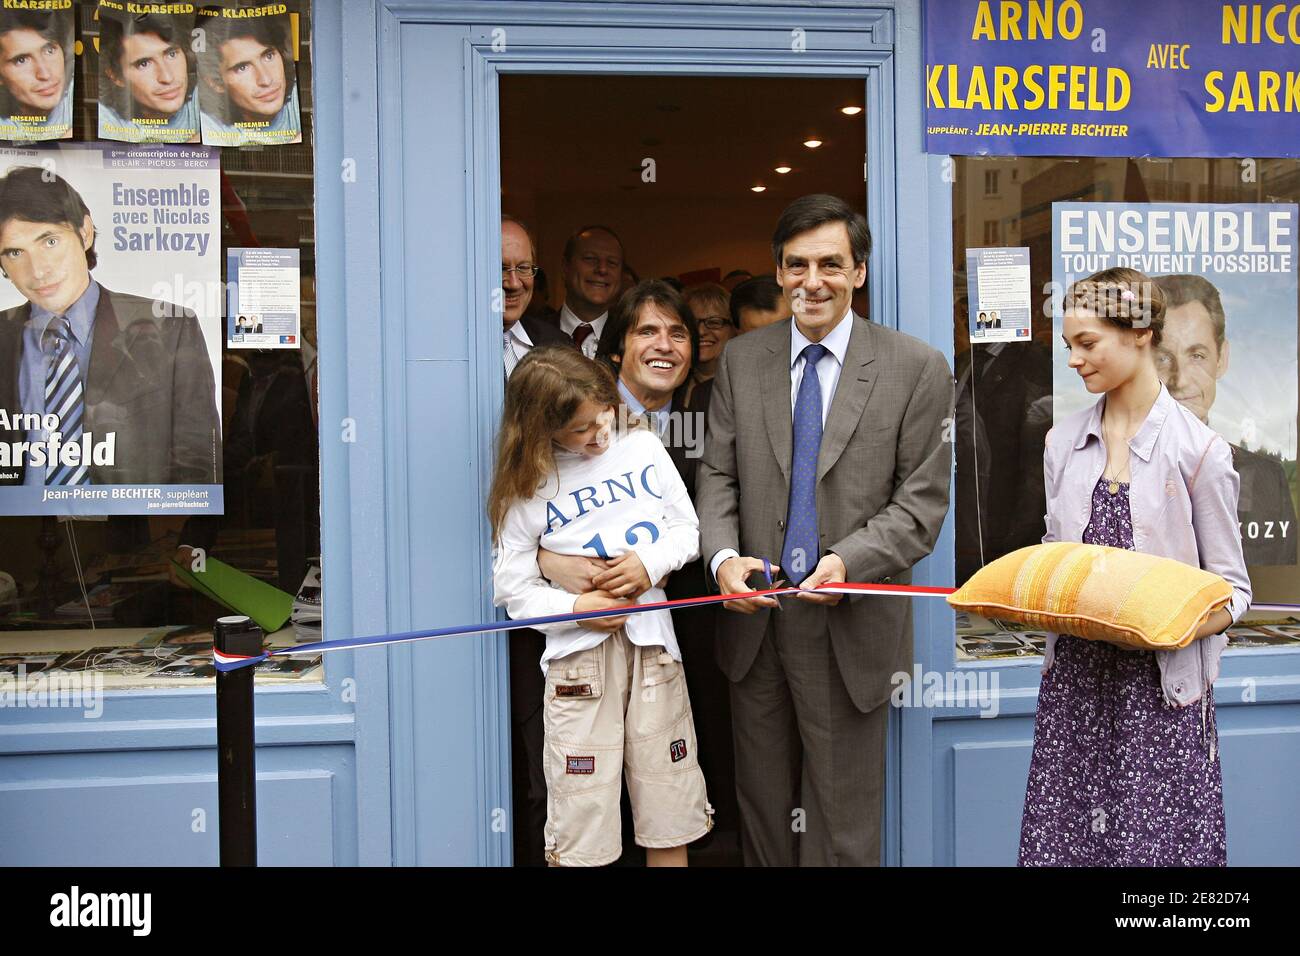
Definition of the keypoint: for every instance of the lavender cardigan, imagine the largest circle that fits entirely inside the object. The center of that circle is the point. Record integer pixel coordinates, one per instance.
(1183, 497)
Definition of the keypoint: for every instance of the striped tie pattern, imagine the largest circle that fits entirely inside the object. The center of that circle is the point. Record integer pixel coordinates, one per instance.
(64, 398)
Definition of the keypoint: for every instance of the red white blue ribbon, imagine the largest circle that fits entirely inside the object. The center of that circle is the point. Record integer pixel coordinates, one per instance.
(230, 662)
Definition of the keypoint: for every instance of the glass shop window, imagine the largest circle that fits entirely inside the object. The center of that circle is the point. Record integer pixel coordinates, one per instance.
(133, 592)
(1023, 229)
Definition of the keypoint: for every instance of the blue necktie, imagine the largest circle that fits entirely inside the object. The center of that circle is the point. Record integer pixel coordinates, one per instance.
(64, 398)
(799, 555)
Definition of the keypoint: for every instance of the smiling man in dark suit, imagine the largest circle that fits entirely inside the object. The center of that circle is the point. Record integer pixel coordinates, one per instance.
(826, 454)
(102, 362)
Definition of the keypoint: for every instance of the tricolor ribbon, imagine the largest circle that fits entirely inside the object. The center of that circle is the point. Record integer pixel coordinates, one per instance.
(230, 662)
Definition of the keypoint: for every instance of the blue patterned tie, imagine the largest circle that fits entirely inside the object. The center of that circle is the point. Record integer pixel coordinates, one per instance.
(64, 398)
(799, 555)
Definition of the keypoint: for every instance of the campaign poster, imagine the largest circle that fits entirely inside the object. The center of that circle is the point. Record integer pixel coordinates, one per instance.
(263, 299)
(248, 76)
(1111, 78)
(148, 72)
(1228, 349)
(36, 68)
(110, 330)
(997, 287)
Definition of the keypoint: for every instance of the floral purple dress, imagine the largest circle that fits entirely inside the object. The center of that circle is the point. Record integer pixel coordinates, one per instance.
(1118, 777)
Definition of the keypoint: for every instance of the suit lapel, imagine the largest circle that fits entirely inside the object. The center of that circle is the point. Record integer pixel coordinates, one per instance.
(856, 382)
(776, 400)
(11, 332)
(107, 351)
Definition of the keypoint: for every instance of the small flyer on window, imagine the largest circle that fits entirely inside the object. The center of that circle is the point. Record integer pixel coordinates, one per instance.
(248, 92)
(263, 307)
(148, 74)
(997, 281)
(36, 67)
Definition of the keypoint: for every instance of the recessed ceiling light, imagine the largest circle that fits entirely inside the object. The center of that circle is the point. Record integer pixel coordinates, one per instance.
(851, 110)
(782, 169)
(758, 189)
(812, 143)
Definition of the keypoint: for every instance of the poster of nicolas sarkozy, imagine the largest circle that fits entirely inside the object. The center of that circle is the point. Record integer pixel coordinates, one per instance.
(110, 330)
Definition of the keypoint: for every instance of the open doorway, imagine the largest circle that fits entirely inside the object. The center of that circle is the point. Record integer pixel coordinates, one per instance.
(691, 173)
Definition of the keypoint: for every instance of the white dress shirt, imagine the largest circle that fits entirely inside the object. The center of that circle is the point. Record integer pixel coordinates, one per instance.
(569, 322)
(836, 342)
(516, 344)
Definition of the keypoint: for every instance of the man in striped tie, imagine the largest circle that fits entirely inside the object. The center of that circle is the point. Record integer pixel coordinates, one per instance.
(131, 373)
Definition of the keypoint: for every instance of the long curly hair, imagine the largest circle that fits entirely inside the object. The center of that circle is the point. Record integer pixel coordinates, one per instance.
(545, 391)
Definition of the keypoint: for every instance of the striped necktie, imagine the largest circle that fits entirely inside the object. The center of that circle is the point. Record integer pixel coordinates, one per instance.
(64, 398)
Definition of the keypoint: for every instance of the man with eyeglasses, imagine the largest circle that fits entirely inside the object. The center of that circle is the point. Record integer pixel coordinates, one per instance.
(518, 269)
(593, 271)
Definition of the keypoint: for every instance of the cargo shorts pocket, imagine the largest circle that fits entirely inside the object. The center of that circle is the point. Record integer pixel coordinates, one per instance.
(661, 693)
(574, 687)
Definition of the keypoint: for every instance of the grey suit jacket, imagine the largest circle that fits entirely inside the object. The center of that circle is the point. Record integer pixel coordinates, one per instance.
(882, 486)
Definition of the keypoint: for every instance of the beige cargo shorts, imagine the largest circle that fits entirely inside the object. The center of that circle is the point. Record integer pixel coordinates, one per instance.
(612, 710)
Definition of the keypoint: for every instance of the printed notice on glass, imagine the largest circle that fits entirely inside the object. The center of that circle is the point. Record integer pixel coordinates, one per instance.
(263, 304)
(997, 283)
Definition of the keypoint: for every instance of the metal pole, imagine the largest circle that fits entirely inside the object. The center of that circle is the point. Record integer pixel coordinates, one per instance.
(236, 763)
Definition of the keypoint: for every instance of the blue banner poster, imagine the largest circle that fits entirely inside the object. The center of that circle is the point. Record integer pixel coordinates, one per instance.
(110, 330)
(1228, 348)
(1112, 78)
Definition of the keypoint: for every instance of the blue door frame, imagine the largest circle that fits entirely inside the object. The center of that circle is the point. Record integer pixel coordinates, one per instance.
(421, 175)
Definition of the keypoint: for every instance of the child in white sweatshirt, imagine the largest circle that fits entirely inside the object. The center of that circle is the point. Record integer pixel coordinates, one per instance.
(615, 699)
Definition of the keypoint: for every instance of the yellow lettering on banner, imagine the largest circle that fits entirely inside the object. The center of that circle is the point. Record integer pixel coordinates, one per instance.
(1268, 24)
(954, 99)
(1036, 97)
(983, 23)
(1117, 100)
(932, 87)
(1071, 6)
(977, 92)
(1212, 81)
(1010, 29)
(1234, 26)
(1264, 96)
(1269, 83)
(1040, 20)
(1251, 23)
(1068, 86)
(1076, 87)
(1241, 94)
(1004, 86)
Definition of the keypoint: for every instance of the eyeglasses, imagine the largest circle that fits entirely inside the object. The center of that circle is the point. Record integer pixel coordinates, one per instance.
(525, 270)
(715, 324)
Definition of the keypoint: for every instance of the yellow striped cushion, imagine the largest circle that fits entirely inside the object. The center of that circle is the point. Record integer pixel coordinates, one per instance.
(1140, 601)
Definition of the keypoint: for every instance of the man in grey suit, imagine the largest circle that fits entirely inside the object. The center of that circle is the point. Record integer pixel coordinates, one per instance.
(827, 448)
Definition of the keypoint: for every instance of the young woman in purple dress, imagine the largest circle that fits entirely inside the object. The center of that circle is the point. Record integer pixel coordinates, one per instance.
(1125, 769)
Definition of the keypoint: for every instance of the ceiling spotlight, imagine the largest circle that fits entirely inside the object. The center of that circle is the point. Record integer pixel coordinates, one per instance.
(851, 110)
(758, 189)
(812, 143)
(782, 169)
